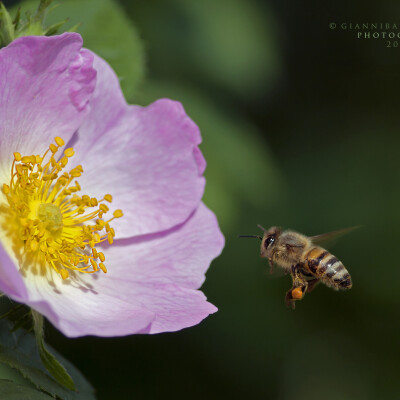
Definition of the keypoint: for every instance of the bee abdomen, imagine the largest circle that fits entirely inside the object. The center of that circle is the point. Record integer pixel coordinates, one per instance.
(328, 268)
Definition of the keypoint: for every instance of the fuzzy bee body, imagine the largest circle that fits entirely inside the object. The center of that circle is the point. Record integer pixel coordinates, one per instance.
(307, 262)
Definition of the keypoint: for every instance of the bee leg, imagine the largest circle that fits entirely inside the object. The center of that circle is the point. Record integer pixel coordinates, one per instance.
(289, 301)
(298, 289)
(311, 284)
(271, 266)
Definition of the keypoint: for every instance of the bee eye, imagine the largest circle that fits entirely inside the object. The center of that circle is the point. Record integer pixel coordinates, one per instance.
(269, 241)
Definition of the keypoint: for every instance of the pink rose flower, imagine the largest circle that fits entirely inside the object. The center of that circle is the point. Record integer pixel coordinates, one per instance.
(62, 112)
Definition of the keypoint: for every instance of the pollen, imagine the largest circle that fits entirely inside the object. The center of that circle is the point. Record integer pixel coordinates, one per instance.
(297, 294)
(51, 227)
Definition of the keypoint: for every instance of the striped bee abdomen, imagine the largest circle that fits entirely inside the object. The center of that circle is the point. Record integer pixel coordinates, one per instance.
(328, 268)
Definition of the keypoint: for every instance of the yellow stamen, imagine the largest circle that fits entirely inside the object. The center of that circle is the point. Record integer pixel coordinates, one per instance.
(59, 141)
(64, 273)
(69, 152)
(49, 224)
(118, 214)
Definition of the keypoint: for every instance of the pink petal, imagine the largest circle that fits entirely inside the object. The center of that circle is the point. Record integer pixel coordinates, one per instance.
(45, 86)
(78, 309)
(74, 306)
(11, 282)
(175, 307)
(162, 271)
(147, 158)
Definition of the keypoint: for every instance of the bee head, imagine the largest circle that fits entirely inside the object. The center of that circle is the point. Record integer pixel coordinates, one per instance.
(269, 240)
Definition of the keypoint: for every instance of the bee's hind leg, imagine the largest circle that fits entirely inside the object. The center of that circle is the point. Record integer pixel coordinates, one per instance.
(311, 284)
(299, 287)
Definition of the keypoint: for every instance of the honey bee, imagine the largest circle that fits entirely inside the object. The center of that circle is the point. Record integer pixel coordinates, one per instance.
(304, 260)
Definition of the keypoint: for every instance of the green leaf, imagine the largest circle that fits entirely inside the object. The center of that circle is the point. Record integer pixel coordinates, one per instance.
(6, 27)
(53, 29)
(33, 23)
(50, 362)
(13, 391)
(105, 30)
(19, 351)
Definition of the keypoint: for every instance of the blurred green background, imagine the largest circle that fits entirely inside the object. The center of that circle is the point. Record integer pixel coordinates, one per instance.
(300, 128)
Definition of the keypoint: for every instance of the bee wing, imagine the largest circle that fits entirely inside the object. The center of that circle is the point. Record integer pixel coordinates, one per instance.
(332, 236)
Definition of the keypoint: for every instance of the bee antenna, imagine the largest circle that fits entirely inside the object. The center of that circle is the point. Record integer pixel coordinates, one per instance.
(262, 228)
(252, 236)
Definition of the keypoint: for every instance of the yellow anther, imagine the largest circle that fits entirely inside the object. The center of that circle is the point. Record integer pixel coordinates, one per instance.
(108, 198)
(17, 156)
(118, 214)
(69, 152)
(94, 264)
(59, 141)
(53, 148)
(110, 238)
(64, 273)
(5, 189)
(75, 173)
(103, 208)
(28, 159)
(103, 267)
(101, 256)
(64, 161)
(34, 245)
(19, 169)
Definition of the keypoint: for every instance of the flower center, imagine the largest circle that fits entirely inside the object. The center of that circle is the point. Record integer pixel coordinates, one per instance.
(48, 223)
(50, 215)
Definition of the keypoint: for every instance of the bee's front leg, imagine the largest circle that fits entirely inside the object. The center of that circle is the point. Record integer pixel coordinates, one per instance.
(299, 287)
(271, 265)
